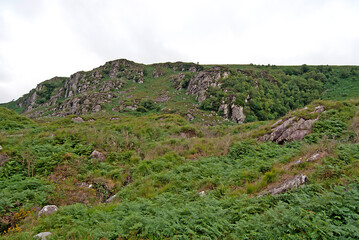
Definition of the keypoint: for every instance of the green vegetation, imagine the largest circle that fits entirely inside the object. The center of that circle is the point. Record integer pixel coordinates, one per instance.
(166, 167)
(9, 120)
(177, 180)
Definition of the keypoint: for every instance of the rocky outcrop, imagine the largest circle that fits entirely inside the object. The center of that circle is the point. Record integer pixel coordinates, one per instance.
(63, 96)
(292, 128)
(178, 81)
(180, 66)
(83, 104)
(233, 112)
(47, 210)
(289, 184)
(200, 83)
(45, 94)
(230, 110)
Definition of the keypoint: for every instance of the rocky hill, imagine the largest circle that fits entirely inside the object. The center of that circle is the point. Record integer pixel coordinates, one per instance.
(239, 93)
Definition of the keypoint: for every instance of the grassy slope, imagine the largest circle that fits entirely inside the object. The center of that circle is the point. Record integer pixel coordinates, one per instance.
(159, 163)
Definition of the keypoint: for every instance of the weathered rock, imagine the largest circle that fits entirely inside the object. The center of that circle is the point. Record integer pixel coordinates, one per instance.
(237, 114)
(110, 199)
(98, 155)
(287, 185)
(84, 92)
(177, 81)
(290, 129)
(232, 111)
(77, 119)
(200, 83)
(47, 210)
(43, 235)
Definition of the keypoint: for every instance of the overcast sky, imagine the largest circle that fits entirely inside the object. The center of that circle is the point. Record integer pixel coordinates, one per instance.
(40, 39)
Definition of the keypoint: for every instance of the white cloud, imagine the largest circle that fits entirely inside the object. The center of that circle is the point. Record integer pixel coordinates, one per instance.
(40, 39)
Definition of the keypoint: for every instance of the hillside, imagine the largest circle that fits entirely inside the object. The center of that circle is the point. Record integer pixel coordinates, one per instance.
(204, 93)
(184, 151)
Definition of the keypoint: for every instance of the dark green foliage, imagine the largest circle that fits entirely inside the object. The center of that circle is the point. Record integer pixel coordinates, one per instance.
(310, 213)
(147, 105)
(333, 124)
(20, 192)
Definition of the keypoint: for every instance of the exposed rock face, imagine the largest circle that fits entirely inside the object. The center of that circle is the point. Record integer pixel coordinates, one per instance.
(180, 66)
(47, 210)
(82, 92)
(98, 155)
(231, 111)
(199, 85)
(83, 104)
(290, 129)
(177, 80)
(117, 71)
(33, 99)
(287, 185)
(43, 235)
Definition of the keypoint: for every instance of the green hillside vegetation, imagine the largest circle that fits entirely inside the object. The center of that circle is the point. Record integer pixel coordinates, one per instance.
(171, 167)
(158, 164)
(265, 92)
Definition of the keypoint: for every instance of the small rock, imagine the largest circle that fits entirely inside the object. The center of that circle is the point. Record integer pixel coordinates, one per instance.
(47, 210)
(77, 119)
(42, 235)
(98, 155)
(202, 193)
(110, 199)
(0, 147)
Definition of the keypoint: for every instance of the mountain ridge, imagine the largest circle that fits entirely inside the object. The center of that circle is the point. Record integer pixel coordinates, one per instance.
(239, 93)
